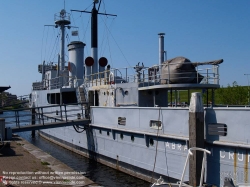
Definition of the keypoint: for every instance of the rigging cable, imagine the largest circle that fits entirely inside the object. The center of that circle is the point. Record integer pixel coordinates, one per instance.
(110, 49)
(118, 46)
(108, 41)
(56, 41)
(67, 36)
(46, 44)
(42, 45)
(156, 149)
(77, 129)
(84, 35)
(75, 24)
(52, 44)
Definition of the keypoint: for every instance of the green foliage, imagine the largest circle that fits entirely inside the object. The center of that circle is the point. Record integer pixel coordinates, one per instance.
(233, 95)
(230, 95)
(9, 103)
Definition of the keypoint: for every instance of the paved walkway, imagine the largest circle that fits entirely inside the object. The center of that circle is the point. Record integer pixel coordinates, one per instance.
(22, 164)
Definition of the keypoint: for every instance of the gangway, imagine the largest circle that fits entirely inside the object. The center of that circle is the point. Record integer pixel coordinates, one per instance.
(45, 117)
(51, 125)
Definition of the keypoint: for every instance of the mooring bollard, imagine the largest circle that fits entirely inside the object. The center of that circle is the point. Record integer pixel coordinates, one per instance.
(2, 129)
(196, 137)
(33, 121)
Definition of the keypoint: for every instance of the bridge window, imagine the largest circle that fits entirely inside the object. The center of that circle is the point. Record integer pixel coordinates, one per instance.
(67, 97)
(53, 98)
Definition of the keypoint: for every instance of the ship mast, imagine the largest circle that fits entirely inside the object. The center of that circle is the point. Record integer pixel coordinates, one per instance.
(94, 34)
(62, 20)
(94, 39)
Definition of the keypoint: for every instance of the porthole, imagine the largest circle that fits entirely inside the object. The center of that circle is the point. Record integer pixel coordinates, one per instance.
(100, 131)
(108, 133)
(132, 138)
(121, 136)
(151, 141)
(126, 92)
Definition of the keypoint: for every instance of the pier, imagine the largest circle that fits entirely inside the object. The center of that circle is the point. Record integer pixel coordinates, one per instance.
(23, 164)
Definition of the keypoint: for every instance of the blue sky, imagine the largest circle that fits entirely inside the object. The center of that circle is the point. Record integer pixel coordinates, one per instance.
(199, 30)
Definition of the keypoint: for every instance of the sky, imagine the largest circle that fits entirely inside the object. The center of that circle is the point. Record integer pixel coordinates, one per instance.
(200, 30)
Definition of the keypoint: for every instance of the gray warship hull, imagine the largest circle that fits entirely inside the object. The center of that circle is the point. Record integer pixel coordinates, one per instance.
(131, 145)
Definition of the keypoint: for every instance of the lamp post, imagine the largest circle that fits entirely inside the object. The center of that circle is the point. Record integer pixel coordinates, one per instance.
(247, 88)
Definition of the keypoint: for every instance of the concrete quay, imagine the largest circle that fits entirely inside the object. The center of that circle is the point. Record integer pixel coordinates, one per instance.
(22, 164)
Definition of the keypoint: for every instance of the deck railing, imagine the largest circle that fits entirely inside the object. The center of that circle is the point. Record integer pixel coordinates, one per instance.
(149, 76)
(146, 76)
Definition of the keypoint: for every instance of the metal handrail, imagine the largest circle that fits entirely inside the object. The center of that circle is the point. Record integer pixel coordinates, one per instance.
(209, 76)
(203, 163)
(64, 113)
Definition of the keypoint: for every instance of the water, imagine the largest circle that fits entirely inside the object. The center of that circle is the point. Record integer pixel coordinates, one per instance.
(97, 172)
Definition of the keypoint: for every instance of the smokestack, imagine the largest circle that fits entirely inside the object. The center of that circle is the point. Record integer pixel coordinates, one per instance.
(75, 65)
(161, 49)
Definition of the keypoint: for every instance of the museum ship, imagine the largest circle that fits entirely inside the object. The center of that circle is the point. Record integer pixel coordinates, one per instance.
(136, 123)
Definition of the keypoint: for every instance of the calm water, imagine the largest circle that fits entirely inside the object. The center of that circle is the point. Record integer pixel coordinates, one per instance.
(97, 172)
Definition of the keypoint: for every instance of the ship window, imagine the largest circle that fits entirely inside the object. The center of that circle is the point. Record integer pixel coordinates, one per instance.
(69, 97)
(132, 138)
(126, 92)
(108, 133)
(121, 136)
(151, 141)
(53, 98)
(153, 124)
(103, 93)
(100, 131)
